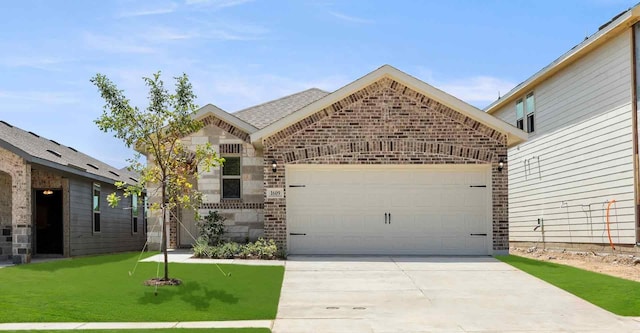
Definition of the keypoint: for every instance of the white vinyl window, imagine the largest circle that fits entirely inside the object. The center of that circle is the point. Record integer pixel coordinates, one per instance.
(134, 213)
(520, 114)
(525, 108)
(530, 108)
(231, 177)
(96, 208)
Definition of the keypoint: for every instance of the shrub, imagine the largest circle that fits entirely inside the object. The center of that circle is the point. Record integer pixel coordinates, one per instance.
(260, 249)
(228, 250)
(212, 228)
(264, 249)
(202, 249)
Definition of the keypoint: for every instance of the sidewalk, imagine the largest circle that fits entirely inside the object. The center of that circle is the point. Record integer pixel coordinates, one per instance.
(138, 325)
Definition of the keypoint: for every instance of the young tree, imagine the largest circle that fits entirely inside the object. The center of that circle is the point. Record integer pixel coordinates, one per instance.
(157, 131)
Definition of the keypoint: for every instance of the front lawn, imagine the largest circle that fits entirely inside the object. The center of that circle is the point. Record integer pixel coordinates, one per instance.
(100, 289)
(613, 294)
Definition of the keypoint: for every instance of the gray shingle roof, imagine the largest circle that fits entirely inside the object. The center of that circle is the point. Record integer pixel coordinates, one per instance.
(267, 113)
(40, 150)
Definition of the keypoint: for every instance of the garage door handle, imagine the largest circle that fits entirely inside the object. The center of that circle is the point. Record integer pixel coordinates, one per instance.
(297, 185)
(296, 234)
(477, 185)
(389, 218)
(478, 234)
(385, 218)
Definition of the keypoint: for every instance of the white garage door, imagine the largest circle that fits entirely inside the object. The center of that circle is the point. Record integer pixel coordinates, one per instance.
(365, 209)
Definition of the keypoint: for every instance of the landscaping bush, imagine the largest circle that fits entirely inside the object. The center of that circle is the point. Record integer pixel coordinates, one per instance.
(202, 249)
(260, 249)
(211, 228)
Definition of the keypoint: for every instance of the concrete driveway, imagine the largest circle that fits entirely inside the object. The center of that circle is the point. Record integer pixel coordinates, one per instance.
(429, 294)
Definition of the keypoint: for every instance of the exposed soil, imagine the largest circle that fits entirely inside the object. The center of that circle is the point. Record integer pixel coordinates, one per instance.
(626, 266)
(162, 282)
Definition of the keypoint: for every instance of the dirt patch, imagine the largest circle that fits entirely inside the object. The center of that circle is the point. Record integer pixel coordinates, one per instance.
(626, 266)
(162, 282)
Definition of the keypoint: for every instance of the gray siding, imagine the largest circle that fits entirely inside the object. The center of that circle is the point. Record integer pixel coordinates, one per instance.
(116, 228)
(580, 156)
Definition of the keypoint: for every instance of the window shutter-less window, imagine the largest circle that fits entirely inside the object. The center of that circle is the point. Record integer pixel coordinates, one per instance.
(530, 108)
(231, 177)
(520, 114)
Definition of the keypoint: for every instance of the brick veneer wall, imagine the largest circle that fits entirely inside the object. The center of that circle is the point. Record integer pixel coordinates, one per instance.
(386, 123)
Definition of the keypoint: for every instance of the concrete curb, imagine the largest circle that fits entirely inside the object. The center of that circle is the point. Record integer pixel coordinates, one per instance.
(137, 325)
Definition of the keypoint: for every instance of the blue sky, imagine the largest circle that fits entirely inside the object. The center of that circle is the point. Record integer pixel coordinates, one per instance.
(239, 53)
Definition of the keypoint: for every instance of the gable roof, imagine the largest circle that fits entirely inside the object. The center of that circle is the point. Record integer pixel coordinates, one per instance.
(514, 135)
(229, 118)
(265, 114)
(615, 26)
(39, 150)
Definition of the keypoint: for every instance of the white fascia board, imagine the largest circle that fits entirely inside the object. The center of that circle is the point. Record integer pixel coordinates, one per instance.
(208, 109)
(618, 25)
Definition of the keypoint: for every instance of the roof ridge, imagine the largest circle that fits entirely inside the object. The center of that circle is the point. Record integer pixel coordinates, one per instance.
(278, 99)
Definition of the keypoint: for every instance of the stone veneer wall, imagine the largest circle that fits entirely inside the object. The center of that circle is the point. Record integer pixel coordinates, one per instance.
(245, 215)
(21, 223)
(386, 123)
(5, 216)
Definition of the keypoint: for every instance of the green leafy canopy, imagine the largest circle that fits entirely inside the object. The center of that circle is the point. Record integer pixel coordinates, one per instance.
(157, 131)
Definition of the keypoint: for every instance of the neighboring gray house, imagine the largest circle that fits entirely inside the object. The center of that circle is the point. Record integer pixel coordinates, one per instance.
(385, 165)
(53, 201)
(581, 112)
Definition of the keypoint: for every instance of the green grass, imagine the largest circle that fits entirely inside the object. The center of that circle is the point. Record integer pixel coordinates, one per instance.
(613, 294)
(163, 330)
(99, 289)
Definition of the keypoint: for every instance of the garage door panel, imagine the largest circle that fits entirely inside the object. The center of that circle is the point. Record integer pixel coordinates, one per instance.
(433, 211)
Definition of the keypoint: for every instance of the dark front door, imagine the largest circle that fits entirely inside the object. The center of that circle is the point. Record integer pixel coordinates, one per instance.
(48, 221)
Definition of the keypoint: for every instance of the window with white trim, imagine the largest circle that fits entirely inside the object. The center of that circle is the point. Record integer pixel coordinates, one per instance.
(145, 213)
(231, 178)
(134, 213)
(96, 208)
(520, 114)
(525, 108)
(529, 108)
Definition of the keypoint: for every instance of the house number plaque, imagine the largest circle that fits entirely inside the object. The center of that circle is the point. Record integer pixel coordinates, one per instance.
(275, 193)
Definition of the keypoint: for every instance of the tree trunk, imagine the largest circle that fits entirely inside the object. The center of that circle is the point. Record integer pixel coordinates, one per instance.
(164, 231)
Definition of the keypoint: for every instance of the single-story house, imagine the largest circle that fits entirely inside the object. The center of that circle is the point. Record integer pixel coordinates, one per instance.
(53, 201)
(384, 165)
(574, 183)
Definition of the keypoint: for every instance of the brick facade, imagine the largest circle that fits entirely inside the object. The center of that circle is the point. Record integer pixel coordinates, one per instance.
(386, 123)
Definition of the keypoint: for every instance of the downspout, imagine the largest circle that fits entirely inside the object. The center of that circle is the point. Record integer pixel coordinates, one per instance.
(634, 127)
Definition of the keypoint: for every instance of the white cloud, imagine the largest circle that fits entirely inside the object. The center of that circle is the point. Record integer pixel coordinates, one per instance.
(477, 89)
(227, 30)
(162, 34)
(37, 62)
(38, 97)
(238, 92)
(115, 44)
(217, 3)
(166, 9)
(349, 18)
